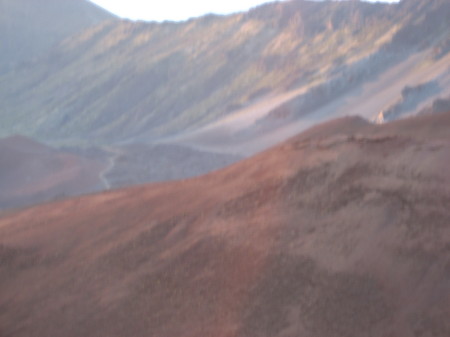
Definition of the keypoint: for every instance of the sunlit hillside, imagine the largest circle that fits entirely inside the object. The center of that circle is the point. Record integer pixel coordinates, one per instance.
(120, 79)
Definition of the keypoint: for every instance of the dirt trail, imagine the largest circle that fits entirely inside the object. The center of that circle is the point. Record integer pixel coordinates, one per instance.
(115, 153)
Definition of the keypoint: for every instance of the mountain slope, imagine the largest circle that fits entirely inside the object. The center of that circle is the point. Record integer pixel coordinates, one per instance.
(341, 231)
(122, 80)
(29, 28)
(31, 172)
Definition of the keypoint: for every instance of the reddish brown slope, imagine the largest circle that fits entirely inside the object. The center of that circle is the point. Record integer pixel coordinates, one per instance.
(329, 234)
(31, 172)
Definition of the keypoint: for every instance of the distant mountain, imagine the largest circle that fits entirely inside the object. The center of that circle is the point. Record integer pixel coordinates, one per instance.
(341, 231)
(28, 28)
(123, 80)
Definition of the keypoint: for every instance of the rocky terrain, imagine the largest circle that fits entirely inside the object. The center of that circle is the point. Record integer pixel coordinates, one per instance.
(343, 230)
(410, 98)
(121, 80)
(439, 105)
(171, 100)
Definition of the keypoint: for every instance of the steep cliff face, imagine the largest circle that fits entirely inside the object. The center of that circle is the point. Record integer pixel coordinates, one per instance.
(120, 79)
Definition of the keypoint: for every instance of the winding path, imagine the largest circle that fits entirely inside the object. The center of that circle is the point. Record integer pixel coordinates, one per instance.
(114, 154)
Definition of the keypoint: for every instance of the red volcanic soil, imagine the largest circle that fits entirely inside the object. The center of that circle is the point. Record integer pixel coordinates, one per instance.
(341, 231)
(31, 172)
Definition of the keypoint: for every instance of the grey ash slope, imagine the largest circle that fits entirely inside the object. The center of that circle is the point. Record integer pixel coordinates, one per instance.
(141, 163)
